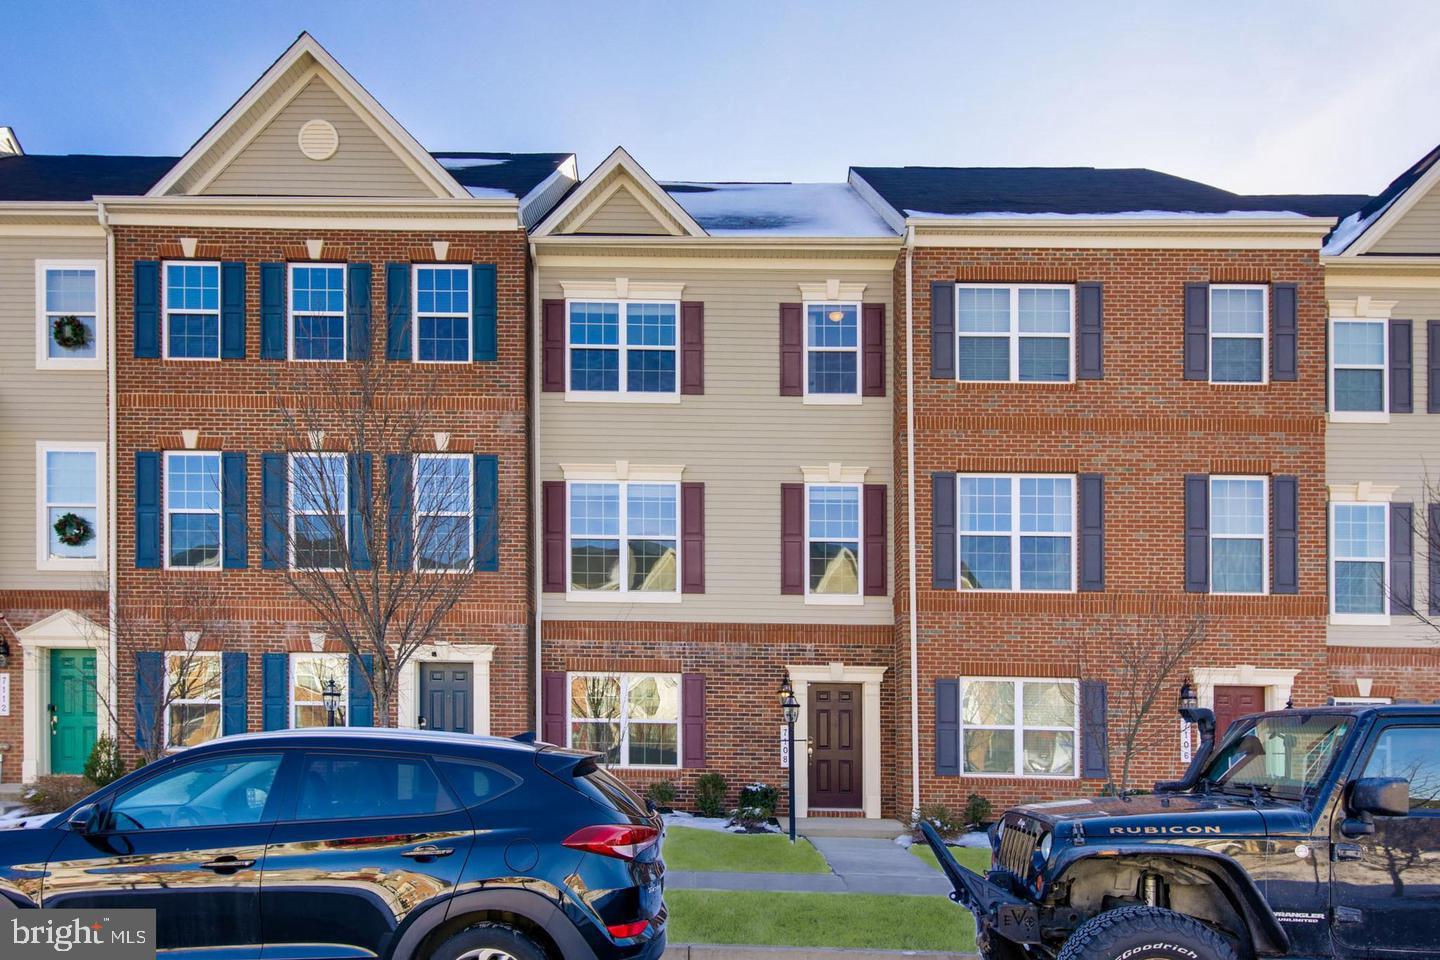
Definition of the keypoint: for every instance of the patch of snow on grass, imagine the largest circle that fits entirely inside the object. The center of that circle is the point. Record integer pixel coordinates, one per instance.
(716, 824)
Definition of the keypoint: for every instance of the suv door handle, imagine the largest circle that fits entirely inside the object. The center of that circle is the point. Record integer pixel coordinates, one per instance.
(227, 864)
(428, 851)
(1348, 851)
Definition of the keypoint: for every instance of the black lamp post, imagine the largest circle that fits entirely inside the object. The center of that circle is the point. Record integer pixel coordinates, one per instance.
(4, 653)
(331, 697)
(791, 708)
(1188, 700)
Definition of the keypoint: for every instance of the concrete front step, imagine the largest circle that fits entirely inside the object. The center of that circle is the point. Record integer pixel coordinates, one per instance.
(846, 827)
(708, 951)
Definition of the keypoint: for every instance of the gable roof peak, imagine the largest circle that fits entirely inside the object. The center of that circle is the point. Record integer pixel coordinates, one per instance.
(621, 161)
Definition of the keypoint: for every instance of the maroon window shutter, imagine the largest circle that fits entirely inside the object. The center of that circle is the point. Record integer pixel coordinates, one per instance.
(877, 539)
(792, 538)
(873, 349)
(692, 347)
(552, 708)
(692, 537)
(692, 700)
(792, 350)
(552, 496)
(553, 351)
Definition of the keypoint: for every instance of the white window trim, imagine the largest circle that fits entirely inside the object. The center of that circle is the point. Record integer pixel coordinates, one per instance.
(624, 594)
(165, 308)
(1015, 533)
(468, 315)
(291, 313)
(170, 678)
(291, 513)
(624, 720)
(344, 677)
(43, 560)
(1019, 729)
(1381, 619)
(165, 510)
(837, 599)
(469, 514)
(1264, 536)
(1014, 335)
(859, 348)
(1361, 416)
(43, 360)
(1263, 336)
(623, 394)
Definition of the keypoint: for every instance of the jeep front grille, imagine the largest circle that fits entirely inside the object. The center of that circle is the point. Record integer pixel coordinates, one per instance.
(1018, 839)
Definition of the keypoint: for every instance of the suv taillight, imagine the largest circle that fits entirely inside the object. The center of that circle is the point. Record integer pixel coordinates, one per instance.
(624, 841)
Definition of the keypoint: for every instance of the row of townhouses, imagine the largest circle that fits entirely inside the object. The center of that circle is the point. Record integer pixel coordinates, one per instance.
(954, 449)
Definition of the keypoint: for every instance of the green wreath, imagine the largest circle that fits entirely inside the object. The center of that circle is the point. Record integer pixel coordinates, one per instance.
(70, 333)
(73, 530)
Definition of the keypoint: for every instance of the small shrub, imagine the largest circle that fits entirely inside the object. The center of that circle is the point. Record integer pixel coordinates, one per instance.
(710, 792)
(977, 810)
(662, 794)
(760, 797)
(947, 824)
(53, 794)
(104, 765)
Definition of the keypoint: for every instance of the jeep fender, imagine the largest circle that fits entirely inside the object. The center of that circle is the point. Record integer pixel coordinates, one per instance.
(1265, 930)
(538, 909)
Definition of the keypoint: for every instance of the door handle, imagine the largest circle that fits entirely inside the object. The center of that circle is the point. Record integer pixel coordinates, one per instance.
(227, 864)
(427, 852)
(1348, 851)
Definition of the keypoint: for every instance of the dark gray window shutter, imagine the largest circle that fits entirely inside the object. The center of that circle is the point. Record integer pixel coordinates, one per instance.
(234, 678)
(1094, 731)
(1402, 368)
(274, 508)
(1284, 331)
(1402, 557)
(146, 302)
(552, 709)
(1432, 540)
(944, 556)
(1092, 532)
(947, 728)
(1432, 364)
(275, 691)
(1090, 327)
(942, 331)
(272, 312)
(1197, 533)
(232, 311)
(1197, 331)
(149, 692)
(397, 311)
(235, 510)
(147, 510)
(692, 713)
(357, 311)
(1285, 535)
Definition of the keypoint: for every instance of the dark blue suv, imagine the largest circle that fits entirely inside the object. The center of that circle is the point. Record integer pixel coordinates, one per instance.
(349, 844)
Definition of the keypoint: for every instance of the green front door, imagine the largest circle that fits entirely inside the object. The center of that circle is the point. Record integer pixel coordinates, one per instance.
(71, 709)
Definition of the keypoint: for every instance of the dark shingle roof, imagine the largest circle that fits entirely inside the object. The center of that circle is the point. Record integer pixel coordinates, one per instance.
(34, 176)
(515, 173)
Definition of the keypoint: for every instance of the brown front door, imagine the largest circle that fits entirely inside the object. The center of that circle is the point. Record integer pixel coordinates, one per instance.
(835, 746)
(1234, 702)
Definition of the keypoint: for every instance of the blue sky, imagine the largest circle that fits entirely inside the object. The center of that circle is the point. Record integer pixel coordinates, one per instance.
(1255, 97)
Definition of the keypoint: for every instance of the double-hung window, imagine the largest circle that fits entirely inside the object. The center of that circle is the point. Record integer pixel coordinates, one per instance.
(832, 349)
(1358, 375)
(633, 719)
(1239, 535)
(192, 510)
(69, 329)
(193, 708)
(833, 534)
(1020, 728)
(1017, 532)
(192, 310)
(311, 676)
(444, 511)
(319, 510)
(317, 311)
(1238, 344)
(1015, 333)
(624, 539)
(623, 347)
(442, 313)
(70, 523)
(1359, 561)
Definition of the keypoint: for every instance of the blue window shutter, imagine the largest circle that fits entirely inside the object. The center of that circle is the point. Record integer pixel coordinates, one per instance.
(1094, 731)
(942, 331)
(149, 691)
(947, 728)
(483, 309)
(147, 308)
(397, 311)
(1092, 532)
(235, 510)
(1197, 331)
(147, 510)
(274, 497)
(272, 311)
(275, 691)
(1402, 368)
(1285, 534)
(487, 512)
(1197, 533)
(360, 488)
(362, 702)
(232, 311)
(944, 554)
(398, 535)
(1402, 557)
(1090, 325)
(1432, 362)
(234, 678)
(1284, 331)
(1432, 541)
(357, 311)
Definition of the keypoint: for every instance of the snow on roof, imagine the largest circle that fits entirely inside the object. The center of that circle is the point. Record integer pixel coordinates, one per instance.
(779, 209)
(1347, 231)
(505, 176)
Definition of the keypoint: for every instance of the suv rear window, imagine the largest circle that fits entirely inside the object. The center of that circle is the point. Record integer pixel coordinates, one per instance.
(611, 791)
(476, 783)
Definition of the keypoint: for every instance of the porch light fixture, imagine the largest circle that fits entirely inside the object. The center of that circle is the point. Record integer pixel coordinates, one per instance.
(1188, 700)
(835, 316)
(4, 653)
(330, 695)
(786, 689)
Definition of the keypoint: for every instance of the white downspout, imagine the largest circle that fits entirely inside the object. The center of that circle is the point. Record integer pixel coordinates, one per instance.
(537, 530)
(910, 518)
(112, 552)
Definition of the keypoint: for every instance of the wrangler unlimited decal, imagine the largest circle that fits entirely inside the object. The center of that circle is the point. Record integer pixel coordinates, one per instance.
(1178, 829)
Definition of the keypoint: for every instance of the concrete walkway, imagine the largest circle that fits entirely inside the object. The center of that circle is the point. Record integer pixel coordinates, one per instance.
(859, 865)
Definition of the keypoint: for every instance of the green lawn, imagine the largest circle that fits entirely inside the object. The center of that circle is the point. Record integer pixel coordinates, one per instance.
(687, 848)
(857, 920)
(976, 858)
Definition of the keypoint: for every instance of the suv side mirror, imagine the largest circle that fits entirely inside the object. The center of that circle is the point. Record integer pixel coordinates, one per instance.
(1381, 797)
(82, 821)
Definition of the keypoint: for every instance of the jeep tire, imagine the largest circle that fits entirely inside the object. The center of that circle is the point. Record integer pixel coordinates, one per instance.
(1145, 933)
(489, 941)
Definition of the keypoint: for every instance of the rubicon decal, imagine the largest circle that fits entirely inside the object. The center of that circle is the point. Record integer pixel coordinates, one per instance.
(1177, 830)
(78, 935)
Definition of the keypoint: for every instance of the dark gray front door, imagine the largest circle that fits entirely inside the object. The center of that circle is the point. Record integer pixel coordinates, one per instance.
(447, 696)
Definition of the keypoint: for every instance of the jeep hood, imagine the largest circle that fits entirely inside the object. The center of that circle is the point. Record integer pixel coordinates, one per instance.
(1169, 816)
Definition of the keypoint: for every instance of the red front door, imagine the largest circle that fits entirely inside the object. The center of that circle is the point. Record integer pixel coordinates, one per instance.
(835, 762)
(1234, 702)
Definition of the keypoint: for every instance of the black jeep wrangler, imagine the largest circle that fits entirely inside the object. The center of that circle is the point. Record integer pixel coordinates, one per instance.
(1303, 833)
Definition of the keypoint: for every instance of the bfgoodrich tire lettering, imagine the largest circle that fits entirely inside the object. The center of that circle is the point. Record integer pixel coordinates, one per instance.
(1145, 933)
(489, 941)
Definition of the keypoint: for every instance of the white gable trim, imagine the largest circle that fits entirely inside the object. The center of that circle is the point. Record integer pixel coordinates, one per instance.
(1396, 211)
(651, 196)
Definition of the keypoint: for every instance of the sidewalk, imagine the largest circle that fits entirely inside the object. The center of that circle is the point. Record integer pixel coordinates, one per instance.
(859, 865)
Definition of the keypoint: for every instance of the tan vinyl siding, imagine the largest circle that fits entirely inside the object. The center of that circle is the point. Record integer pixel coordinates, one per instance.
(63, 405)
(741, 438)
(1418, 231)
(272, 164)
(1404, 452)
(622, 213)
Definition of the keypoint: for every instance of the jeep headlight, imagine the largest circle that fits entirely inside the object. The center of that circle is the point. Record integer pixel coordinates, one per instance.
(1044, 848)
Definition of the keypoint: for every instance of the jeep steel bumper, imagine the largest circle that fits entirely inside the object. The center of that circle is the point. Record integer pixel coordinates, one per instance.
(998, 910)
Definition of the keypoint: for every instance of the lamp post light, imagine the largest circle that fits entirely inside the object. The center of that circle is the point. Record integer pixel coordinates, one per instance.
(4, 653)
(1188, 700)
(791, 708)
(330, 695)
